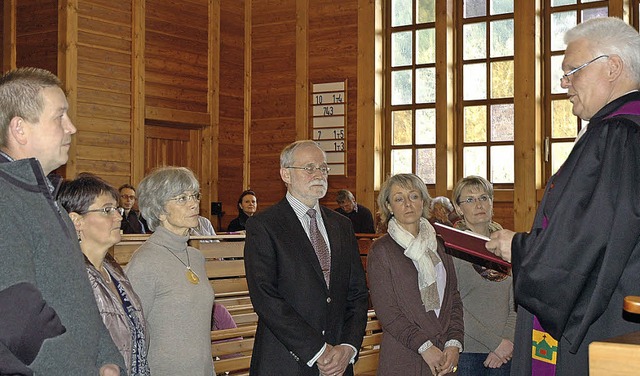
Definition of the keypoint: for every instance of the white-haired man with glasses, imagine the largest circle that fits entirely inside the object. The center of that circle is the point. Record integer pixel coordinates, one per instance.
(582, 256)
(305, 278)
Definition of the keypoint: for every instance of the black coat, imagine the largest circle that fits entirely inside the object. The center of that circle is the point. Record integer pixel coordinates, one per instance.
(582, 256)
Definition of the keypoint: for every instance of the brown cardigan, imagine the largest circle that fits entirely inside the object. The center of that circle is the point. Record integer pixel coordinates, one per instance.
(393, 281)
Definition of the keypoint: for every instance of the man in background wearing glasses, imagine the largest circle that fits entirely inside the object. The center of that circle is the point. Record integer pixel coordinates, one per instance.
(132, 221)
(44, 289)
(582, 256)
(305, 276)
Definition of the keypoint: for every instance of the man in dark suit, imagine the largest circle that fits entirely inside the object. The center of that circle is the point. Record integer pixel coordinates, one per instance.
(311, 317)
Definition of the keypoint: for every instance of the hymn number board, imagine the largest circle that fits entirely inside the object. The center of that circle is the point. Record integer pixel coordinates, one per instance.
(329, 123)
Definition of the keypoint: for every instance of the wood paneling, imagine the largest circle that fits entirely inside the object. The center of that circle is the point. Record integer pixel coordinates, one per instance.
(37, 34)
(104, 90)
(176, 55)
(169, 146)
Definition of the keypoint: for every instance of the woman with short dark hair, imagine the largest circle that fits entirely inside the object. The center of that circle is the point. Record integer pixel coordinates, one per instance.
(92, 205)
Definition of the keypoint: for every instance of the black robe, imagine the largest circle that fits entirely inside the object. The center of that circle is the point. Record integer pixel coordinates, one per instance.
(582, 255)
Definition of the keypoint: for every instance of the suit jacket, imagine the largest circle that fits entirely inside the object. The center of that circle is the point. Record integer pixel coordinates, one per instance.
(406, 325)
(297, 314)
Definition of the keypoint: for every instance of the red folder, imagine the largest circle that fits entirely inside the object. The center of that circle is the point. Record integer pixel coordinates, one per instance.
(468, 242)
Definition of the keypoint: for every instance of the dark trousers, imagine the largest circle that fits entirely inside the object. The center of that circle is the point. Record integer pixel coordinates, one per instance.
(471, 364)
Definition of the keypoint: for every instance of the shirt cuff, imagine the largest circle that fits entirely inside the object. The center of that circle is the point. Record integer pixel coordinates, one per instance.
(454, 342)
(318, 354)
(425, 346)
(355, 352)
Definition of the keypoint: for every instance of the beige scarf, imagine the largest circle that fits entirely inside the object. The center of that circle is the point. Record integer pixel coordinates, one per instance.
(422, 250)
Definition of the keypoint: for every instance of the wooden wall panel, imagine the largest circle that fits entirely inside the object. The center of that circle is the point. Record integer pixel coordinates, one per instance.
(37, 34)
(176, 55)
(333, 56)
(167, 146)
(231, 135)
(273, 94)
(104, 81)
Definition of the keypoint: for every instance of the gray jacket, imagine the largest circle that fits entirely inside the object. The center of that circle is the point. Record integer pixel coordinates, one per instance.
(38, 245)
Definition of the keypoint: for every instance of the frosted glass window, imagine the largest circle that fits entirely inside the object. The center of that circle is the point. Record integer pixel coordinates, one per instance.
(426, 126)
(401, 12)
(426, 46)
(475, 81)
(475, 124)
(401, 87)
(502, 79)
(475, 161)
(560, 23)
(563, 121)
(426, 10)
(426, 85)
(401, 161)
(401, 127)
(502, 164)
(474, 41)
(502, 123)
(401, 49)
(501, 38)
(475, 8)
(426, 165)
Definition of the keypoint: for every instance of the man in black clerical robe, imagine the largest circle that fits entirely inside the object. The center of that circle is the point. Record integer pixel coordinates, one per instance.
(582, 256)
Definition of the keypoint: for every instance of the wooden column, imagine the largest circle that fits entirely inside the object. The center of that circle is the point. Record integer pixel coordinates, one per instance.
(527, 99)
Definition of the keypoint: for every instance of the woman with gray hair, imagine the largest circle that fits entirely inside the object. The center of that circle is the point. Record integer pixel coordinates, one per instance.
(170, 277)
(413, 286)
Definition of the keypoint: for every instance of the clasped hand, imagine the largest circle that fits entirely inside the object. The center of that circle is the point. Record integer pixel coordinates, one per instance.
(441, 362)
(334, 360)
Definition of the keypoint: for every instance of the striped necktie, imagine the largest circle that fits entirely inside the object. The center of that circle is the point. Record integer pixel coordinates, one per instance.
(320, 246)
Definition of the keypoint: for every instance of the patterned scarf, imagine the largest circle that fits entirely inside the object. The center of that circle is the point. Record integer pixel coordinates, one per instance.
(422, 250)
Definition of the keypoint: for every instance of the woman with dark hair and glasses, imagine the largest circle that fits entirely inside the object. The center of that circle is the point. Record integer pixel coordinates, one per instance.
(487, 294)
(170, 277)
(247, 206)
(93, 207)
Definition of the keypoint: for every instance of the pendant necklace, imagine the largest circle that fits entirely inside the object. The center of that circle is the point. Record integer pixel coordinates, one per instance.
(191, 275)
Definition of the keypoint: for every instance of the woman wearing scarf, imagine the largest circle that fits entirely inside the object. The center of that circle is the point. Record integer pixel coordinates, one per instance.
(413, 286)
(487, 294)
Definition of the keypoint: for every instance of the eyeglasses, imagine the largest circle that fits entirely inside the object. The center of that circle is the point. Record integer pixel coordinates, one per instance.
(109, 210)
(566, 77)
(183, 199)
(472, 200)
(128, 197)
(311, 169)
(413, 197)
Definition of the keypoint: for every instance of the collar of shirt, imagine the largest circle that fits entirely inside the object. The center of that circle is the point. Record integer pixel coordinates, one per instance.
(301, 212)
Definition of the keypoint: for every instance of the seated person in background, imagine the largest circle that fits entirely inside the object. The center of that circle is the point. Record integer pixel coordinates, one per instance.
(132, 222)
(440, 210)
(92, 206)
(247, 206)
(204, 228)
(360, 216)
(221, 318)
(487, 294)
